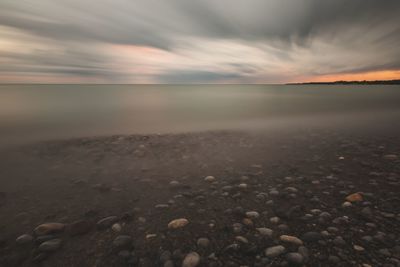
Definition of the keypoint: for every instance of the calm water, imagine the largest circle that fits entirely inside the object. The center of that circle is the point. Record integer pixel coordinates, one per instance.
(38, 112)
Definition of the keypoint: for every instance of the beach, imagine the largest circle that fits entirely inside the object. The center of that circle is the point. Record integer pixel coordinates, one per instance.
(312, 197)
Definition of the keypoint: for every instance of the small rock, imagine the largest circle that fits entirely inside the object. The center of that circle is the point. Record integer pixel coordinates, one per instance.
(252, 214)
(346, 204)
(358, 248)
(275, 251)
(209, 179)
(291, 239)
(295, 258)
(150, 236)
(356, 197)
(49, 228)
(178, 223)
(24, 239)
(116, 227)
(391, 157)
(106, 222)
(265, 231)
(242, 239)
(50, 246)
(122, 241)
(203, 242)
(191, 260)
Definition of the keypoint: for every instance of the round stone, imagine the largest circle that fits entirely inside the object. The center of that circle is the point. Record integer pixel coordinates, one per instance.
(275, 251)
(295, 258)
(177, 223)
(203, 242)
(24, 239)
(50, 246)
(191, 260)
(122, 241)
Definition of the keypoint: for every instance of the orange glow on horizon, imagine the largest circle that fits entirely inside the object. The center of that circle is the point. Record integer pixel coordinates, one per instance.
(365, 76)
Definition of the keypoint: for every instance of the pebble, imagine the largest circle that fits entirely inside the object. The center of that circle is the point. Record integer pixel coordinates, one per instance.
(274, 220)
(177, 223)
(339, 241)
(116, 227)
(295, 258)
(346, 204)
(209, 179)
(356, 197)
(24, 239)
(242, 239)
(50, 246)
(291, 239)
(265, 231)
(122, 241)
(191, 260)
(358, 248)
(174, 184)
(203, 242)
(49, 228)
(242, 186)
(275, 251)
(252, 214)
(106, 222)
(391, 157)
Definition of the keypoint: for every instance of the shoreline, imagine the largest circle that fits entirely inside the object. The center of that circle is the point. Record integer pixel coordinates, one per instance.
(265, 186)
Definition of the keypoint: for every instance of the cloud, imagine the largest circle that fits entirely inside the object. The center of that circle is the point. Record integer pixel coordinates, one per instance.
(197, 41)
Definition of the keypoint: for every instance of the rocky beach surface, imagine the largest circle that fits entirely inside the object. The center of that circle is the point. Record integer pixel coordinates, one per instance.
(304, 198)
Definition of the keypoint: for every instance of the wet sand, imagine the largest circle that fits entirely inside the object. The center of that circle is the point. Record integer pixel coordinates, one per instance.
(264, 187)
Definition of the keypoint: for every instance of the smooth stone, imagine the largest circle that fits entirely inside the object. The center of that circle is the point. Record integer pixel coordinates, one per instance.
(169, 263)
(150, 236)
(252, 214)
(275, 251)
(295, 258)
(242, 239)
(291, 239)
(116, 227)
(209, 179)
(44, 238)
(191, 260)
(391, 157)
(358, 248)
(346, 204)
(106, 222)
(24, 239)
(265, 231)
(122, 241)
(50, 246)
(339, 241)
(356, 197)
(49, 228)
(242, 186)
(274, 220)
(79, 228)
(203, 242)
(177, 223)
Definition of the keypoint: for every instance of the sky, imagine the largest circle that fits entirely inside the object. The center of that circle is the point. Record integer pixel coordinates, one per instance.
(198, 41)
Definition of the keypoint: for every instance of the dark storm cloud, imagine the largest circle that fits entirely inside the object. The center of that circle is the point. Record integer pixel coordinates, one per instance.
(73, 27)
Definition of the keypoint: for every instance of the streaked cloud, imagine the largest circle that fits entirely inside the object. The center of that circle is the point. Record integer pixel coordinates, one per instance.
(205, 41)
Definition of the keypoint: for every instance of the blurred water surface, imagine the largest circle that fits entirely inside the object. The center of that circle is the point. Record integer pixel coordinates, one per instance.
(41, 112)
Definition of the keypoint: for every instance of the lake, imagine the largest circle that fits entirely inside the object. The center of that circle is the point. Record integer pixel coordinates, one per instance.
(40, 112)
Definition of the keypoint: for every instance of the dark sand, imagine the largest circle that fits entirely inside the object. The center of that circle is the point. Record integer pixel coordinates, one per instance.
(127, 176)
